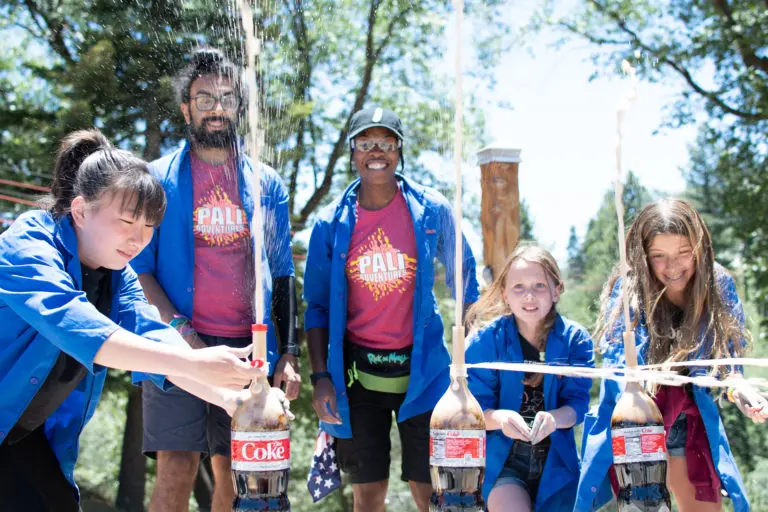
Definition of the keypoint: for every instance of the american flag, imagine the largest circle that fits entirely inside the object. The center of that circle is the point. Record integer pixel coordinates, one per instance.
(324, 474)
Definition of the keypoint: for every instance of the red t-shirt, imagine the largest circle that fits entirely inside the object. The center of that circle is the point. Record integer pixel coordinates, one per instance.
(223, 266)
(381, 277)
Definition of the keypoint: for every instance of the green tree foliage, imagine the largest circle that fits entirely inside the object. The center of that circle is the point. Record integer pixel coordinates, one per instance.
(677, 39)
(111, 62)
(599, 252)
(526, 222)
(728, 179)
(716, 52)
(576, 261)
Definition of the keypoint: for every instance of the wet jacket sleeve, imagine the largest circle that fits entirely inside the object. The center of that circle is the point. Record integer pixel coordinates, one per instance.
(574, 391)
(139, 317)
(446, 251)
(35, 285)
(484, 384)
(732, 301)
(277, 231)
(317, 277)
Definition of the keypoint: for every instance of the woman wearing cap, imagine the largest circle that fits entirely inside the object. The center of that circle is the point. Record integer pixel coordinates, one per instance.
(375, 336)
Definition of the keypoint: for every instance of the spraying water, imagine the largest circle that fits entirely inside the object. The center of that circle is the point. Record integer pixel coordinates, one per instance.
(252, 49)
(631, 353)
(458, 333)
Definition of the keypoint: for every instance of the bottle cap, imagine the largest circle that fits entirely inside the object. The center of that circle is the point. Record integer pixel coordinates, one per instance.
(458, 370)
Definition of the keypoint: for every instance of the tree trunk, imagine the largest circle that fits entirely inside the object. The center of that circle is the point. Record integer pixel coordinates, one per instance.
(153, 135)
(132, 479)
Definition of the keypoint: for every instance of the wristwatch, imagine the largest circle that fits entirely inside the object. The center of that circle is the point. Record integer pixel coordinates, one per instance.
(315, 377)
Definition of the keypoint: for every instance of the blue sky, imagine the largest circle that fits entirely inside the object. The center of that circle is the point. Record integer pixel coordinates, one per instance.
(565, 126)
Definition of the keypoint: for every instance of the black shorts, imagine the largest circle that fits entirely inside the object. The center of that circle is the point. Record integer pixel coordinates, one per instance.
(31, 479)
(175, 420)
(365, 457)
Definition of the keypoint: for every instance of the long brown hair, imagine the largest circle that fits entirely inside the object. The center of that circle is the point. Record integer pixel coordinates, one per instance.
(705, 319)
(492, 305)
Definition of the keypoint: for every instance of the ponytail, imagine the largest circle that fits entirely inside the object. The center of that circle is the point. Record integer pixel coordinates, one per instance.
(88, 165)
(74, 149)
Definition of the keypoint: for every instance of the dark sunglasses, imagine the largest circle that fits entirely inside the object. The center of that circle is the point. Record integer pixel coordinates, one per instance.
(366, 145)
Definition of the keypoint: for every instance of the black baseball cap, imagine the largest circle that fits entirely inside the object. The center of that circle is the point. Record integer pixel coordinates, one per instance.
(372, 117)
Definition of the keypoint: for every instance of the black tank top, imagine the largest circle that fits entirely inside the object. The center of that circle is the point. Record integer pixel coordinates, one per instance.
(67, 372)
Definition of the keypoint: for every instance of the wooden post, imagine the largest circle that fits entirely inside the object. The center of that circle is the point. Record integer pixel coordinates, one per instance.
(500, 215)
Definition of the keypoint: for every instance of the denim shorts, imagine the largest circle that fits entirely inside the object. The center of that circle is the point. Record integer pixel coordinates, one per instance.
(524, 466)
(677, 435)
(175, 420)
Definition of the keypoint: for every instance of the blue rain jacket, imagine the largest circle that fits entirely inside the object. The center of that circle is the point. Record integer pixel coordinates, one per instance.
(43, 312)
(594, 484)
(325, 291)
(568, 344)
(170, 256)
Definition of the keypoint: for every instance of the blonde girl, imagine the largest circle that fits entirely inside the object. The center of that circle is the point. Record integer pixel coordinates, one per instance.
(532, 463)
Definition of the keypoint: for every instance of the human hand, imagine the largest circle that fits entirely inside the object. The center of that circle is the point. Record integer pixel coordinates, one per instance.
(514, 426)
(751, 404)
(231, 399)
(543, 425)
(324, 401)
(287, 372)
(223, 366)
(286, 403)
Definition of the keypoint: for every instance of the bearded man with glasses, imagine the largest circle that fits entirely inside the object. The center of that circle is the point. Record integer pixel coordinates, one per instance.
(374, 332)
(198, 271)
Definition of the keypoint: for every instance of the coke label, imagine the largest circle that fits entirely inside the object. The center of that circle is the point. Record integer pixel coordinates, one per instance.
(639, 444)
(261, 451)
(457, 448)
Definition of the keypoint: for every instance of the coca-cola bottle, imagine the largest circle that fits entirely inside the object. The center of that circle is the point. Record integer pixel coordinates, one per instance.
(261, 445)
(457, 446)
(639, 452)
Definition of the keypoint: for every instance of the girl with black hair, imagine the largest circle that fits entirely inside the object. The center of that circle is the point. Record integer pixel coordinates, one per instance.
(70, 306)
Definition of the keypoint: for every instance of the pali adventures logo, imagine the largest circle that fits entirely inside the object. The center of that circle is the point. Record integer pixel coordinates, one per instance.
(380, 267)
(218, 221)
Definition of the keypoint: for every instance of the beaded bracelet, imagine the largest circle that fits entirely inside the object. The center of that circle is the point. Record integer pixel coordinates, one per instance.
(182, 325)
(730, 394)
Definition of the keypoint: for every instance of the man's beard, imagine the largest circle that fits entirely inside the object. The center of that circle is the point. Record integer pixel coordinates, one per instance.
(213, 138)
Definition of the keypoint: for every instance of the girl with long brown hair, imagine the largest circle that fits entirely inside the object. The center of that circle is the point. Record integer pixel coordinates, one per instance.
(683, 306)
(529, 417)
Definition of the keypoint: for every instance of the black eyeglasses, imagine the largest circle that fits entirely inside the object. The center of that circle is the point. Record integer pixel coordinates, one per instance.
(228, 101)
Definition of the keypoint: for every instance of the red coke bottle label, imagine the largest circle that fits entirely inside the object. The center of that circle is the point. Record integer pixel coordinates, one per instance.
(638, 444)
(261, 451)
(457, 448)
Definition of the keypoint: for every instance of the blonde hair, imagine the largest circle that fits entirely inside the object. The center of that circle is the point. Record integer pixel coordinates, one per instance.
(492, 304)
(705, 310)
